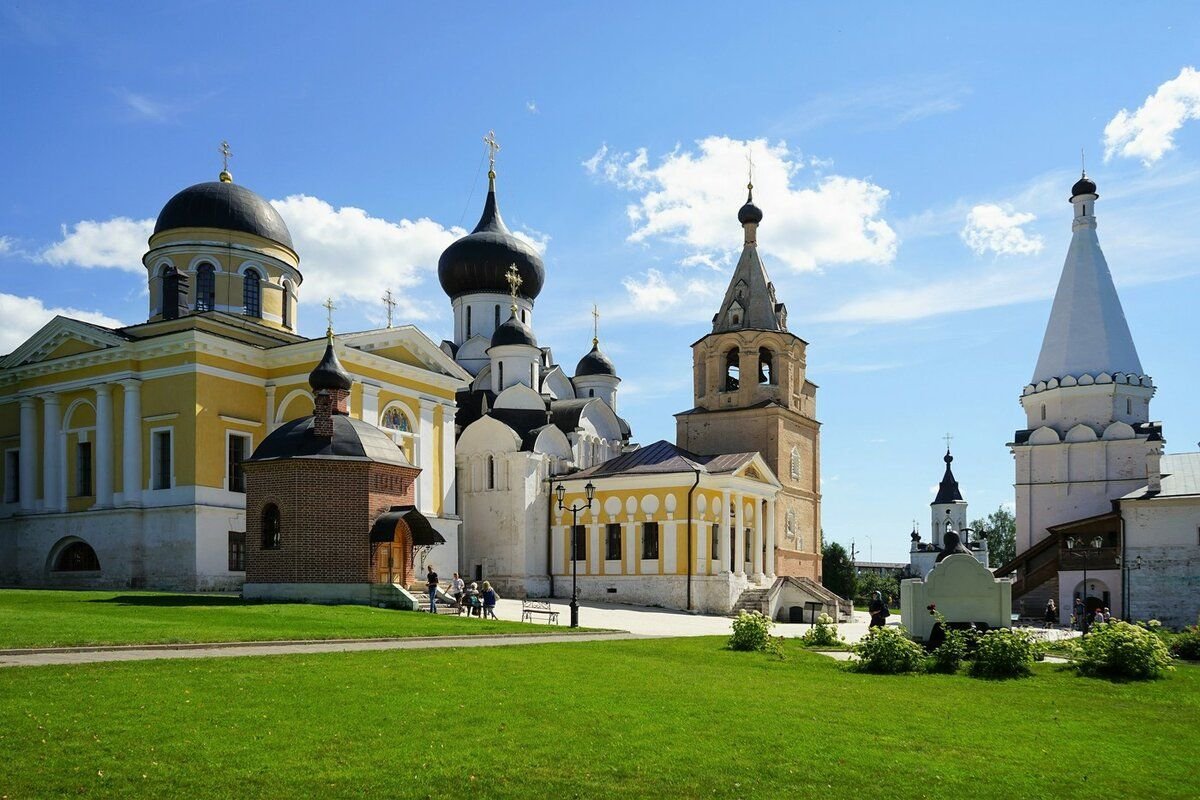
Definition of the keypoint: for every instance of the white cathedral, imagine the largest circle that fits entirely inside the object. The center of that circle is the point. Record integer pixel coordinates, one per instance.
(1103, 515)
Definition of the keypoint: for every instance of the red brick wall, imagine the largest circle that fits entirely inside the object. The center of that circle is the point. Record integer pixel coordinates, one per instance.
(326, 509)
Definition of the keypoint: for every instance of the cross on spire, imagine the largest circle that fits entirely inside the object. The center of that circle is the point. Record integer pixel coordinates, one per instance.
(329, 307)
(1082, 162)
(493, 148)
(390, 303)
(226, 154)
(595, 325)
(948, 439)
(514, 283)
(750, 168)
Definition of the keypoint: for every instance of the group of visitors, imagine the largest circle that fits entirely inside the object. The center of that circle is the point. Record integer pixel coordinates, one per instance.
(1081, 618)
(470, 598)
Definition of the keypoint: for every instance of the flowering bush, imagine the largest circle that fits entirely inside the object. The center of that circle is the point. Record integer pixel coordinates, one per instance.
(1121, 650)
(822, 634)
(1004, 653)
(751, 631)
(888, 651)
(1186, 644)
(947, 656)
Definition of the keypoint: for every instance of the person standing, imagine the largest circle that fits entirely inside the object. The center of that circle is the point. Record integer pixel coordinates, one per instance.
(457, 587)
(1051, 613)
(489, 601)
(1080, 621)
(879, 611)
(431, 580)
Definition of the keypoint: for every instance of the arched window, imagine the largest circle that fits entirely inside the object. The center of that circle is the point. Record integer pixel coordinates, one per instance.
(163, 272)
(795, 470)
(394, 420)
(252, 293)
(490, 477)
(732, 371)
(766, 367)
(497, 322)
(468, 322)
(206, 287)
(271, 527)
(1043, 410)
(1128, 405)
(500, 374)
(287, 304)
(77, 557)
(789, 530)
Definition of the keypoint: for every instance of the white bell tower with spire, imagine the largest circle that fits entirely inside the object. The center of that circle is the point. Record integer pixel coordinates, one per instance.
(1088, 436)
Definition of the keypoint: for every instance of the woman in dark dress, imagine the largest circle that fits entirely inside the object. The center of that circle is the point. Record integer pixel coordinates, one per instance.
(879, 611)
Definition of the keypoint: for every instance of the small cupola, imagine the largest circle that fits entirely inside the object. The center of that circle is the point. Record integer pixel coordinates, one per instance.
(331, 390)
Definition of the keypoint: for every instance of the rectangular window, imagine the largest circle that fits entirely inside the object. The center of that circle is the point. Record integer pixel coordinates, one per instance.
(650, 540)
(160, 455)
(747, 535)
(612, 538)
(237, 551)
(578, 543)
(12, 476)
(83, 469)
(239, 451)
(716, 540)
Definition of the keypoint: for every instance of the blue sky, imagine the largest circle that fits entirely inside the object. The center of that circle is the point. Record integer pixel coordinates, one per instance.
(913, 165)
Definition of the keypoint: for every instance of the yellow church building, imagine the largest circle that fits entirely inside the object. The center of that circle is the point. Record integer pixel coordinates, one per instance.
(123, 448)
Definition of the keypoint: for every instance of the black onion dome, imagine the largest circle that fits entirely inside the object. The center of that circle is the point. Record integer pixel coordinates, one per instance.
(330, 374)
(513, 331)
(1084, 185)
(353, 439)
(595, 363)
(226, 206)
(750, 212)
(479, 261)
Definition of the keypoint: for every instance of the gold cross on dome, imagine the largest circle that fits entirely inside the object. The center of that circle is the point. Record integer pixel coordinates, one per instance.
(329, 307)
(750, 168)
(226, 154)
(595, 325)
(493, 148)
(391, 305)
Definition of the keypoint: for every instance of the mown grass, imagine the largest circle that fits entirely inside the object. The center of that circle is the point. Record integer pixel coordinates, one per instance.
(620, 719)
(41, 618)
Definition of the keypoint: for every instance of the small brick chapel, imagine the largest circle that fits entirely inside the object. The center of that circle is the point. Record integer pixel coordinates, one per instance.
(330, 515)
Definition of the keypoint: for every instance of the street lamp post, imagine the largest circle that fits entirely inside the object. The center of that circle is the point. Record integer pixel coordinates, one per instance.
(1128, 569)
(575, 508)
(1080, 548)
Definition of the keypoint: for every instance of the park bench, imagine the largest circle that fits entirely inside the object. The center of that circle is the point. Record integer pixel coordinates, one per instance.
(531, 607)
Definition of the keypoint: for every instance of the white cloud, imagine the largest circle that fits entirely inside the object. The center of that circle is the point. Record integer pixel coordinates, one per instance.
(531, 107)
(692, 197)
(348, 254)
(146, 108)
(118, 243)
(6, 245)
(687, 297)
(1149, 132)
(651, 292)
(993, 228)
(24, 316)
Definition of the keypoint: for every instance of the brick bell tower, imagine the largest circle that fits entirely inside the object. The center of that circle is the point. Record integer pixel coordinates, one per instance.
(751, 393)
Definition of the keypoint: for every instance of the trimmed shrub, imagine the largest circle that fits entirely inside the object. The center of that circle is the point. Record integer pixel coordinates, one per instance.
(1121, 650)
(1004, 653)
(1186, 644)
(822, 634)
(751, 631)
(949, 655)
(888, 651)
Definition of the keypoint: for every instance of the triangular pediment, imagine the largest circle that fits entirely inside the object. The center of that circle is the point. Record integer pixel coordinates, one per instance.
(757, 469)
(407, 345)
(62, 337)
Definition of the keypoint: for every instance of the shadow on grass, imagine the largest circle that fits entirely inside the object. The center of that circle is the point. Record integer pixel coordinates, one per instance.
(173, 600)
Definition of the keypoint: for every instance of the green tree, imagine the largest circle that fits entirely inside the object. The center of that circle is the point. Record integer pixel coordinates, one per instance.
(837, 571)
(887, 585)
(1001, 529)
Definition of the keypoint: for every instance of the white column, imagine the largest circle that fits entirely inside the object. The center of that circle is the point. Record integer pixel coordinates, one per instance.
(131, 444)
(594, 560)
(669, 548)
(770, 570)
(557, 554)
(270, 424)
(28, 475)
(702, 532)
(104, 445)
(723, 564)
(756, 556)
(51, 422)
(449, 499)
(632, 548)
(739, 536)
(370, 404)
(425, 458)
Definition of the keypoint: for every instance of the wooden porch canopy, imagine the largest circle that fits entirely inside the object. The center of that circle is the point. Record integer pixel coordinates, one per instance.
(423, 534)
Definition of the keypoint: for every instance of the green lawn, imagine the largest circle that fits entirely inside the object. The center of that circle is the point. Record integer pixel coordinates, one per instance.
(38, 618)
(621, 719)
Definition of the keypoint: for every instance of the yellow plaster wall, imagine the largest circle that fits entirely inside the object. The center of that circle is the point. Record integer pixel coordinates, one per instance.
(215, 398)
(71, 347)
(171, 395)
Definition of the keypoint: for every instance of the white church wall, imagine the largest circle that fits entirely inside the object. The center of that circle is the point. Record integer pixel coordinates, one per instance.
(1165, 533)
(1099, 583)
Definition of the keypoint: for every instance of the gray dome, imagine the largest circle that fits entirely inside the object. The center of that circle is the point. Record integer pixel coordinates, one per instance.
(352, 440)
(595, 363)
(330, 374)
(513, 331)
(479, 261)
(225, 206)
(1084, 185)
